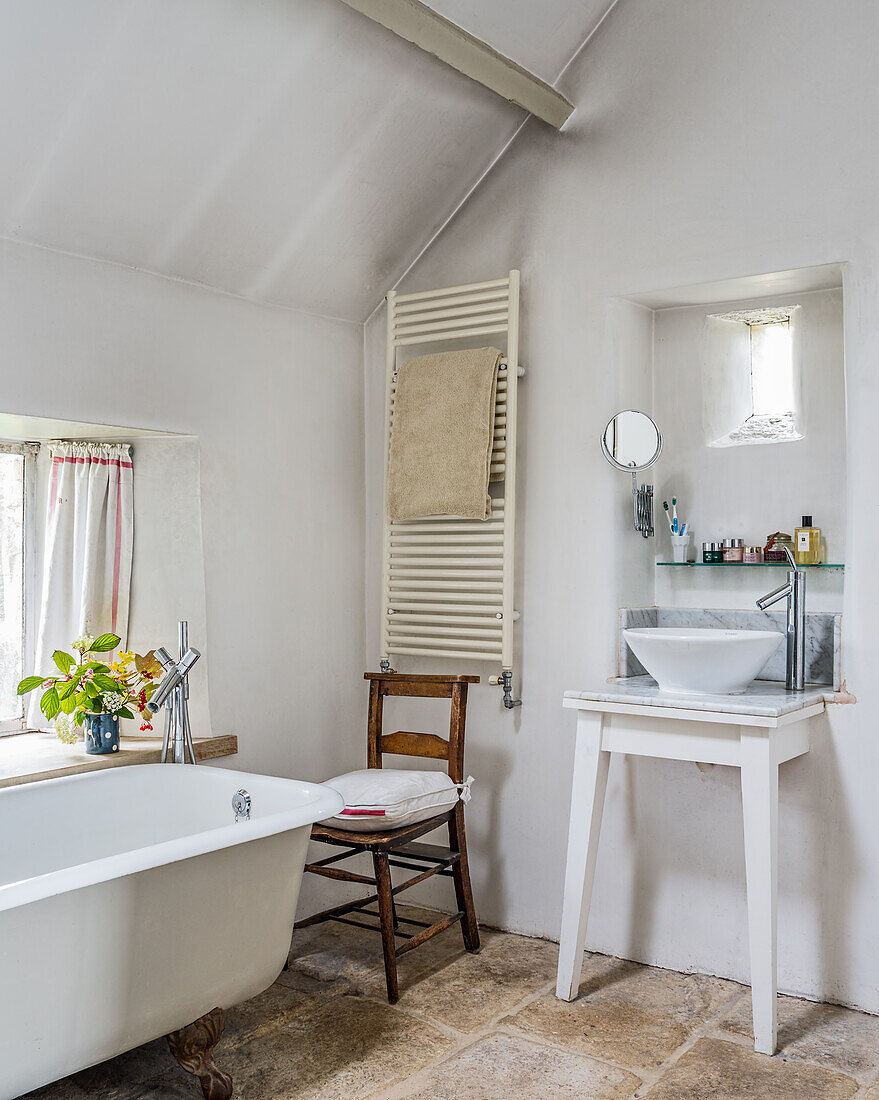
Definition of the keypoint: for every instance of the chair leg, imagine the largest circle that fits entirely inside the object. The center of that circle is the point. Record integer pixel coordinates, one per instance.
(386, 912)
(461, 874)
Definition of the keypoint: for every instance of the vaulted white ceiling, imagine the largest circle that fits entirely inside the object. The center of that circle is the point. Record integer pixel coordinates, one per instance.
(289, 151)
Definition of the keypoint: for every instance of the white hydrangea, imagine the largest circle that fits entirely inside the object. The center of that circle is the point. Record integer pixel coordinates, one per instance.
(113, 701)
(65, 729)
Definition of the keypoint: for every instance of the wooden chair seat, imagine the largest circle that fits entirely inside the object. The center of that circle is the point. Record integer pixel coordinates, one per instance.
(376, 842)
(399, 847)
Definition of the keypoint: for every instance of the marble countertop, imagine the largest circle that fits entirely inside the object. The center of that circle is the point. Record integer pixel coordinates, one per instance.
(28, 757)
(763, 698)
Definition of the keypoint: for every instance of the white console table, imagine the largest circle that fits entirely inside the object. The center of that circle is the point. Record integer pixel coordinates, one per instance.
(755, 732)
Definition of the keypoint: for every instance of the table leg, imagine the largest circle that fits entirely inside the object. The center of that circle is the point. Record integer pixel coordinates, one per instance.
(760, 813)
(587, 803)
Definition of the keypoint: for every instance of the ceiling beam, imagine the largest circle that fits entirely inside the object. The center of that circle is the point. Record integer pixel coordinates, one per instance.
(425, 28)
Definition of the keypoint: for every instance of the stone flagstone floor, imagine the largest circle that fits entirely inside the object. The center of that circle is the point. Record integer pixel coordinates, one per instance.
(486, 1026)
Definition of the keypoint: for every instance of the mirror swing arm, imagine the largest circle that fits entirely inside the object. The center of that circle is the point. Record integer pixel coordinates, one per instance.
(627, 430)
(642, 505)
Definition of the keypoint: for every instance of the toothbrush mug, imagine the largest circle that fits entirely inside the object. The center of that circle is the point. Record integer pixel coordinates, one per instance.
(680, 548)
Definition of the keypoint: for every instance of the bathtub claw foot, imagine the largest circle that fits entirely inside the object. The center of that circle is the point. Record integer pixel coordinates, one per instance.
(193, 1047)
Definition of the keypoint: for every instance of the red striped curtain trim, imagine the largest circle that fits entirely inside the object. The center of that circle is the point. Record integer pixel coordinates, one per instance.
(117, 550)
(99, 461)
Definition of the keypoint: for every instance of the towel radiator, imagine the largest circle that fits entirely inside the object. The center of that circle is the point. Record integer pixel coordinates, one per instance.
(447, 585)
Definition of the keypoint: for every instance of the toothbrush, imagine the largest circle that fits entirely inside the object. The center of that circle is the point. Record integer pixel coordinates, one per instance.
(674, 513)
(668, 516)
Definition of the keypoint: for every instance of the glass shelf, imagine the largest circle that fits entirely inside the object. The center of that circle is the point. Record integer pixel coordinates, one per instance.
(746, 565)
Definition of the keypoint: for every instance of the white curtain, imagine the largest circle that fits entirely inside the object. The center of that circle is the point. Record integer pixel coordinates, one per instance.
(89, 534)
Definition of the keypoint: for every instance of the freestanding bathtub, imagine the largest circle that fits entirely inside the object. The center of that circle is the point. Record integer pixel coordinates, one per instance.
(132, 903)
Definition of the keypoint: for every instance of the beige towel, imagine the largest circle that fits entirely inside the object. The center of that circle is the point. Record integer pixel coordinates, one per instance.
(441, 442)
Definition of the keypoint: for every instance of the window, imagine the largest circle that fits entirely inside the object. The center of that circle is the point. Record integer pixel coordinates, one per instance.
(766, 405)
(16, 496)
(772, 378)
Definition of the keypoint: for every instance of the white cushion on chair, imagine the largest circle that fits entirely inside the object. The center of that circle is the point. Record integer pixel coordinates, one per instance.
(377, 799)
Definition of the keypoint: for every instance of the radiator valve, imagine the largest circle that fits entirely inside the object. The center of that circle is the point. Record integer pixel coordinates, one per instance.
(505, 680)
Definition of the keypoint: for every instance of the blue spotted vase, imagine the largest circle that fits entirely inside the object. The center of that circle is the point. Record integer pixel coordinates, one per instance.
(101, 733)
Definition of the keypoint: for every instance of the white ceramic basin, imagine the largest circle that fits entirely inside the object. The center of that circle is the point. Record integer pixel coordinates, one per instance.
(699, 661)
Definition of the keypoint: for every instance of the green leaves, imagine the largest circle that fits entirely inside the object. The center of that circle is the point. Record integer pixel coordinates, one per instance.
(29, 683)
(124, 712)
(63, 660)
(87, 696)
(104, 643)
(107, 683)
(68, 687)
(50, 703)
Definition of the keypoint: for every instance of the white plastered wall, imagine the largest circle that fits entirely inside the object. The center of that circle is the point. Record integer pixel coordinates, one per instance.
(711, 141)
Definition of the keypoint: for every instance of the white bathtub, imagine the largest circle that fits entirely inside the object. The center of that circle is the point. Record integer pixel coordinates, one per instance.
(131, 903)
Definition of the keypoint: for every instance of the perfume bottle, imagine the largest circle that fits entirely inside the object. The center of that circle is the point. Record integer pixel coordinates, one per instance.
(807, 543)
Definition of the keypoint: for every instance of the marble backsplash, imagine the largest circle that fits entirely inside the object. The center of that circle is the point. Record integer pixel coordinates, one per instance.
(822, 637)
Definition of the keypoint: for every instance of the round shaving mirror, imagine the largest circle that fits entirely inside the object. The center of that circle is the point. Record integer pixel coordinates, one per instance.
(631, 441)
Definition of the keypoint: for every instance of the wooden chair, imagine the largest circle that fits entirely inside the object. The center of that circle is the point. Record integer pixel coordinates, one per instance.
(397, 847)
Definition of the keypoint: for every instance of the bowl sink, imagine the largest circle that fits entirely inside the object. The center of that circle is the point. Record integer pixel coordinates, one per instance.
(700, 661)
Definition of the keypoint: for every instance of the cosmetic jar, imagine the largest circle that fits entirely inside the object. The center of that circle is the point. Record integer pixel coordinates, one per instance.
(733, 550)
(712, 553)
(753, 555)
(775, 544)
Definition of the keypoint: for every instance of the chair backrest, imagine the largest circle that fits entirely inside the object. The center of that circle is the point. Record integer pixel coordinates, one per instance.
(428, 745)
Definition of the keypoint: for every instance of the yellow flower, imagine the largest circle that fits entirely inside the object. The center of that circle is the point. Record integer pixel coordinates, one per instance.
(121, 665)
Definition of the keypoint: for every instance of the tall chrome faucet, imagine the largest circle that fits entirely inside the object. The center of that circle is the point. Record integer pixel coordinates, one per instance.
(795, 594)
(173, 694)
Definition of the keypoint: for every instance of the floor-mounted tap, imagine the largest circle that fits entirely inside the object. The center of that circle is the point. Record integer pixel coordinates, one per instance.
(795, 594)
(173, 693)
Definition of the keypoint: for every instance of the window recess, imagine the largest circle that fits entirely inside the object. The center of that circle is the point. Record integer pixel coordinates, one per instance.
(752, 378)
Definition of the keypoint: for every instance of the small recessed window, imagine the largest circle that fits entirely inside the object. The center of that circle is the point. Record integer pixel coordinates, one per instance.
(765, 402)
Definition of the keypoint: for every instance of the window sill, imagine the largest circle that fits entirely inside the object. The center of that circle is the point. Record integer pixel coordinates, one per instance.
(28, 757)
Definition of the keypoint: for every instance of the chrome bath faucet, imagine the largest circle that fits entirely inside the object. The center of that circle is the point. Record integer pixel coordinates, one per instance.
(795, 594)
(173, 694)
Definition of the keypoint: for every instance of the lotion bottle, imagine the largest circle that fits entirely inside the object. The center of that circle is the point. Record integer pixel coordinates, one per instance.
(807, 543)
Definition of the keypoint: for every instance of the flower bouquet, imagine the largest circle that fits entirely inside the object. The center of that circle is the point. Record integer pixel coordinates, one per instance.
(89, 693)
